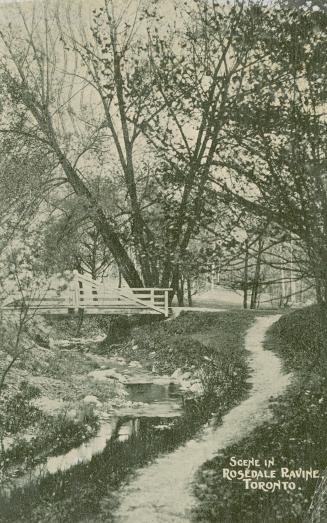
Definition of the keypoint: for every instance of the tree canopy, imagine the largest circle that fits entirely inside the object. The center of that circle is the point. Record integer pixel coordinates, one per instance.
(161, 132)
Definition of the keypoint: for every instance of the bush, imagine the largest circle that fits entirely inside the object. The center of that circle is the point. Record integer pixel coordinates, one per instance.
(303, 339)
(176, 342)
(55, 435)
(17, 412)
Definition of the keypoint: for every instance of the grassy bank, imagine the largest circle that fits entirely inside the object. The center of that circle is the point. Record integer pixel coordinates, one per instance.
(207, 346)
(211, 344)
(295, 438)
(35, 435)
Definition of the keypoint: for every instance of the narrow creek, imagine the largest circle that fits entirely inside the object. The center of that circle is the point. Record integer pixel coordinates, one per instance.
(155, 401)
(154, 419)
(127, 443)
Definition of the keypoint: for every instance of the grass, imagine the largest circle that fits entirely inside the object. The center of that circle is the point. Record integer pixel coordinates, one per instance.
(50, 435)
(17, 411)
(181, 343)
(55, 435)
(295, 438)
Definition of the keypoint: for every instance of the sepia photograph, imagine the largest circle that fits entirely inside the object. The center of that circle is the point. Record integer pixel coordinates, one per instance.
(163, 261)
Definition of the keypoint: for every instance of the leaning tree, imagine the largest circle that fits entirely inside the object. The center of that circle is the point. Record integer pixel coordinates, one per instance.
(134, 86)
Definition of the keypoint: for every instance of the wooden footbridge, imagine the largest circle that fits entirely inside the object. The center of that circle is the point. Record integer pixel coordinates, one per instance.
(82, 294)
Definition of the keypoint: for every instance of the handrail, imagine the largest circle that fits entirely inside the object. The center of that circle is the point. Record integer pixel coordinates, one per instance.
(78, 296)
(147, 288)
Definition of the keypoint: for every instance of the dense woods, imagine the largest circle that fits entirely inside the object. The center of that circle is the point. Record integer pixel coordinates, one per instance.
(149, 140)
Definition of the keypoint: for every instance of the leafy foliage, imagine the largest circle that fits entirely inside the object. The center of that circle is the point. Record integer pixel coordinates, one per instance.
(175, 346)
(17, 412)
(54, 436)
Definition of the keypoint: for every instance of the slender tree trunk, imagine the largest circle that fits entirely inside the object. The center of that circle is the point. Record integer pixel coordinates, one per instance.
(246, 275)
(16, 351)
(139, 227)
(80, 321)
(189, 292)
(174, 285)
(256, 279)
(94, 256)
(180, 293)
(78, 266)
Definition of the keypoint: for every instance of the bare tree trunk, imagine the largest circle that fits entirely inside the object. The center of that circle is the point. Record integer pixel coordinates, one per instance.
(256, 279)
(16, 353)
(180, 293)
(174, 285)
(80, 321)
(246, 276)
(189, 292)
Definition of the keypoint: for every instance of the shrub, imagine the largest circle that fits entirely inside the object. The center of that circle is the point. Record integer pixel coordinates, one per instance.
(17, 412)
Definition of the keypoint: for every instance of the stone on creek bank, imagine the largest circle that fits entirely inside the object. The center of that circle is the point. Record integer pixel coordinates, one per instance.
(49, 406)
(187, 381)
(93, 400)
(7, 443)
(135, 365)
(105, 374)
(77, 342)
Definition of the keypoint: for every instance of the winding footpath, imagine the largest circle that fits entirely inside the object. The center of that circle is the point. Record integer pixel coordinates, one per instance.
(162, 492)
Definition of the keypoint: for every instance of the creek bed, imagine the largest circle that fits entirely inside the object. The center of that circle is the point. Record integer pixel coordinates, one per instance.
(126, 440)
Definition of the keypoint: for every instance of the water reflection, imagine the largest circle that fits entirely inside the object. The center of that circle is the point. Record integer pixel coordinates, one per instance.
(54, 464)
(154, 393)
(128, 429)
(155, 420)
(79, 481)
(152, 401)
(81, 454)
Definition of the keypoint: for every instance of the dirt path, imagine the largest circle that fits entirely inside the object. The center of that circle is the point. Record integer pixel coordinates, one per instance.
(161, 492)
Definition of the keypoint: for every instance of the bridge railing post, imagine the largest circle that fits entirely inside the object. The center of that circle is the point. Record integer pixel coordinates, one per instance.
(152, 297)
(166, 303)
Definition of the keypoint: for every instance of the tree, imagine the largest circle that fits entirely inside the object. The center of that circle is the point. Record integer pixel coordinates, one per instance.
(21, 283)
(70, 241)
(227, 99)
(279, 165)
(26, 175)
(197, 76)
(34, 79)
(173, 97)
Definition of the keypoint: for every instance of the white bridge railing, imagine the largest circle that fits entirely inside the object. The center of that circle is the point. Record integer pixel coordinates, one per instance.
(89, 294)
(93, 297)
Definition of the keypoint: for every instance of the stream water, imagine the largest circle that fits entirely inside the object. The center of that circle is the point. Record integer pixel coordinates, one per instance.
(159, 442)
(128, 439)
(153, 401)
